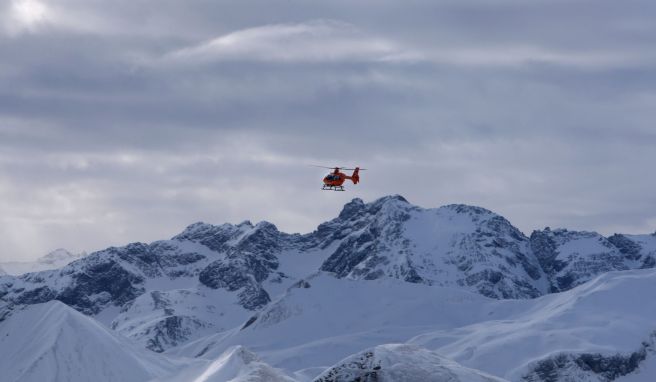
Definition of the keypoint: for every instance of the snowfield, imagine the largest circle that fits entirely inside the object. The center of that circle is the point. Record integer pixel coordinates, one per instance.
(387, 291)
(52, 342)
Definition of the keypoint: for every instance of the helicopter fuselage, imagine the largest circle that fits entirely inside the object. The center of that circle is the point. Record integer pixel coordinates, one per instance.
(335, 180)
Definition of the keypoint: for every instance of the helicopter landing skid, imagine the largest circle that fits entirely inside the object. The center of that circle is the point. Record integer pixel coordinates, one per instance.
(333, 188)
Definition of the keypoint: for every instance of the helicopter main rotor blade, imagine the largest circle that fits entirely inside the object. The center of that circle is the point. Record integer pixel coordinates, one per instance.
(331, 168)
(336, 167)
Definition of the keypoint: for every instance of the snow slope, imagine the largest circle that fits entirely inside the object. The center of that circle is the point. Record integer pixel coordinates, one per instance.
(52, 342)
(325, 319)
(610, 315)
(236, 364)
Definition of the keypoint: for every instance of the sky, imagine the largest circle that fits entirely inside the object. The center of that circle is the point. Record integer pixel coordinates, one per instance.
(128, 120)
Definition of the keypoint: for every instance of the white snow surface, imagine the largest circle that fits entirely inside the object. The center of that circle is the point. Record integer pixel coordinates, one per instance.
(310, 328)
(53, 342)
(610, 314)
(236, 364)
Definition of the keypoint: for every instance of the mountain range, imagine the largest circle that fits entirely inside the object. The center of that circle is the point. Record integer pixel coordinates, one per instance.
(386, 291)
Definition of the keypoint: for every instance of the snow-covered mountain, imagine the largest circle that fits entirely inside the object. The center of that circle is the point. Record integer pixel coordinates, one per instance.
(52, 342)
(380, 273)
(53, 260)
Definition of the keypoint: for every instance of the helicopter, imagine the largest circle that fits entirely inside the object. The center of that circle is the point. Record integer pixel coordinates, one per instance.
(335, 180)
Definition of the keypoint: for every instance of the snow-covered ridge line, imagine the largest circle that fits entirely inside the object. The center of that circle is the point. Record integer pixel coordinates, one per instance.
(211, 285)
(455, 245)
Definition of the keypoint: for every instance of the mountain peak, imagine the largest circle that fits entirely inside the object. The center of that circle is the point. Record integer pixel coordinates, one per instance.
(351, 208)
(58, 256)
(265, 225)
(391, 199)
(469, 209)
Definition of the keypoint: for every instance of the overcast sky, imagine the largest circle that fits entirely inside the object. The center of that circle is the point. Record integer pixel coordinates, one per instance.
(127, 120)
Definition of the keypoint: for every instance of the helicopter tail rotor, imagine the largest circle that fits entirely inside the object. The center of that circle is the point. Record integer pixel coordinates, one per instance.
(356, 175)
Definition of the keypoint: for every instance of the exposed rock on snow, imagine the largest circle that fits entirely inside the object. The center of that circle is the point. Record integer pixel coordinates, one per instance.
(573, 367)
(639, 248)
(571, 258)
(394, 363)
(455, 245)
(163, 320)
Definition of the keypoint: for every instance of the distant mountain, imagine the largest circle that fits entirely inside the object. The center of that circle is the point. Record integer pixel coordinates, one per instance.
(379, 273)
(53, 260)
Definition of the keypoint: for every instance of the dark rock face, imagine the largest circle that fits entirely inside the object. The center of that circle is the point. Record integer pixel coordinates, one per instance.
(170, 331)
(109, 277)
(213, 237)
(243, 270)
(352, 209)
(113, 276)
(250, 258)
(351, 253)
(236, 273)
(380, 223)
(493, 260)
(649, 262)
(36, 296)
(570, 258)
(363, 369)
(254, 297)
(574, 367)
(627, 246)
(544, 248)
(222, 274)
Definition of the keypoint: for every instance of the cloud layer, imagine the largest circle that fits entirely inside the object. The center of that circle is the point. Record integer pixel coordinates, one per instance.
(128, 121)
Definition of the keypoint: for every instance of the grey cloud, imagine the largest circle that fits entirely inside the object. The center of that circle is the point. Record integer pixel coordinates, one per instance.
(128, 122)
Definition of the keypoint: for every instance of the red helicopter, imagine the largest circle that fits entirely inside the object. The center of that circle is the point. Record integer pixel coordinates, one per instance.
(335, 180)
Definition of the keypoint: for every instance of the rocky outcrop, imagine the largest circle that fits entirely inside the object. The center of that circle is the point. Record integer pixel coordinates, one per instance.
(396, 362)
(570, 258)
(591, 367)
(455, 245)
